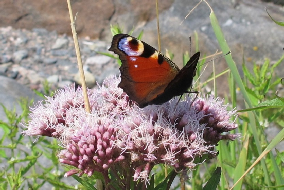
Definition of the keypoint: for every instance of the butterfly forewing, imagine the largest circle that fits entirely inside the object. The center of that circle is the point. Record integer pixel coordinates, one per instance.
(144, 72)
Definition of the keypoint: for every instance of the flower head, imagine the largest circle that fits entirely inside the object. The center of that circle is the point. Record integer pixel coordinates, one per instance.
(117, 134)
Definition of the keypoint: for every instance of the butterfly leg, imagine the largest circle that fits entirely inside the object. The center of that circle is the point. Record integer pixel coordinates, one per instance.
(196, 94)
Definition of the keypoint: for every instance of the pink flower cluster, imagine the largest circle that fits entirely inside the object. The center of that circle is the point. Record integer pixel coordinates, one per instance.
(117, 135)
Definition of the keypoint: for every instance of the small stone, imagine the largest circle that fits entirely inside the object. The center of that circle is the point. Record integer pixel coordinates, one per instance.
(64, 83)
(95, 45)
(49, 60)
(37, 59)
(21, 40)
(106, 73)
(20, 55)
(34, 86)
(4, 68)
(34, 78)
(98, 60)
(39, 50)
(60, 52)
(40, 31)
(89, 77)
(63, 62)
(60, 43)
(5, 59)
(13, 74)
(53, 79)
(228, 22)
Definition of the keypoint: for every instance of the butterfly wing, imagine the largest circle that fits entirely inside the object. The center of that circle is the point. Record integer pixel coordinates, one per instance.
(181, 83)
(145, 73)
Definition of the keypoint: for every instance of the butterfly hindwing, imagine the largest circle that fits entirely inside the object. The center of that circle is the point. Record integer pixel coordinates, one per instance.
(181, 83)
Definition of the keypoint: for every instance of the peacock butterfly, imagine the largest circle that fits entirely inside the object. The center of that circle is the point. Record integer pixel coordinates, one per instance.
(147, 76)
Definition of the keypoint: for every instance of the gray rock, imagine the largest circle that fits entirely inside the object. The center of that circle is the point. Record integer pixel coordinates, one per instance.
(60, 43)
(13, 74)
(60, 52)
(95, 45)
(20, 55)
(271, 132)
(11, 93)
(4, 67)
(49, 60)
(40, 31)
(63, 62)
(21, 40)
(53, 79)
(107, 72)
(34, 77)
(64, 83)
(5, 59)
(98, 60)
(89, 77)
(37, 59)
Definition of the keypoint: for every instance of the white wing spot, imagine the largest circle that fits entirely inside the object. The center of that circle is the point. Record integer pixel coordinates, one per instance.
(133, 58)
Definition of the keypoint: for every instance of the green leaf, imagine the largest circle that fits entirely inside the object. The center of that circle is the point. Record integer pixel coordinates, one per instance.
(277, 22)
(140, 35)
(115, 29)
(166, 184)
(214, 180)
(264, 68)
(253, 96)
(240, 168)
(274, 103)
(152, 183)
(28, 166)
(84, 182)
(250, 77)
(59, 184)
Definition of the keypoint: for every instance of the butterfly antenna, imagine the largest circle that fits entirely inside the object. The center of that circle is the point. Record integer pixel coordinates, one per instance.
(191, 11)
(220, 56)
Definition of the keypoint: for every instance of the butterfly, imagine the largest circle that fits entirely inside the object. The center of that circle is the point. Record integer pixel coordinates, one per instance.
(147, 76)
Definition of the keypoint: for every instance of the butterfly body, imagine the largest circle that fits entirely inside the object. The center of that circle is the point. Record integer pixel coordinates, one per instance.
(147, 76)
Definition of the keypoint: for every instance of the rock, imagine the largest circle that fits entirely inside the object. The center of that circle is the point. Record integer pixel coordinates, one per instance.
(5, 59)
(53, 79)
(20, 55)
(95, 45)
(31, 14)
(11, 93)
(4, 68)
(107, 72)
(271, 132)
(49, 60)
(34, 77)
(21, 40)
(98, 60)
(40, 31)
(13, 74)
(64, 83)
(89, 78)
(60, 43)
(63, 62)
(60, 52)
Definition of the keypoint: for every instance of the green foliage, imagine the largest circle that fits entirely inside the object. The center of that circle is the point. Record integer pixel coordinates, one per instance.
(46, 90)
(236, 157)
(20, 156)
